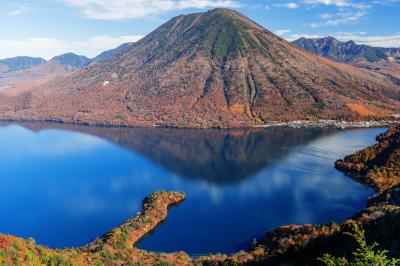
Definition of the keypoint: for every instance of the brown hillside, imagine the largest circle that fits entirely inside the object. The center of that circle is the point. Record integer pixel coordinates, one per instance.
(217, 68)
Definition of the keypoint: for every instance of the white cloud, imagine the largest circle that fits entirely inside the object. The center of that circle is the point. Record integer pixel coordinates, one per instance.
(345, 18)
(18, 11)
(282, 32)
(290, 5)
(258, 7)
(131, 9)
(298, 36)
(49, 47)
(339, 3)
(377, 41)
(348, 12)
(313, 25)
(385, 2)
(326, 16)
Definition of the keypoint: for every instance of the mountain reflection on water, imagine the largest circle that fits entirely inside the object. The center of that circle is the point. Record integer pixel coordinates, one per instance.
(239, 183)
(212, 155)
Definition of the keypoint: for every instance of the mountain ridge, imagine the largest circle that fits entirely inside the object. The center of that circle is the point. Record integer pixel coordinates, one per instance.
(346, 52)
(71, 60)
(106, 54)
(385, 61)
(33, 74)
(211, 69)
(19, 63)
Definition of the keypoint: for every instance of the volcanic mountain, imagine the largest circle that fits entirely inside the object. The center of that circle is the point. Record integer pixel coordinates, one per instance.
(212, 69)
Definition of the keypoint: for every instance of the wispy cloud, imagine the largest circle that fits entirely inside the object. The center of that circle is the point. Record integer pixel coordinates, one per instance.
(339, 3)
(282, 32)
(377, 40)
(132, 9)
(290, 5)
(301, 35)
(345, 17)
(386, 2)
(49, 47)
(347, 12)
(18, 10)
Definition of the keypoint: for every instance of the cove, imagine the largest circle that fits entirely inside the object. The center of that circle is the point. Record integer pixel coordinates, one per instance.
(64, 185)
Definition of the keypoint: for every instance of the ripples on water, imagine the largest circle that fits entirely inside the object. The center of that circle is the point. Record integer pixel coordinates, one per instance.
(64, 185)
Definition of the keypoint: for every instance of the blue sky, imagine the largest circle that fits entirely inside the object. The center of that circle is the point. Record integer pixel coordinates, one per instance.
(47, 28)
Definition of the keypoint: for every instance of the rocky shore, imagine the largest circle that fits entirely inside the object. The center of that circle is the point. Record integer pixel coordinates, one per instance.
(377, 166)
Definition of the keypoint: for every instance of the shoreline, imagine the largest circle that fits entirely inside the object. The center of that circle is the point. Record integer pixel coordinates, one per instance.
(322, 123)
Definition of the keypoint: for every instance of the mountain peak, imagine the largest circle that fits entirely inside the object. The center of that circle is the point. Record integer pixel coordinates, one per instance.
(220, 9)
(72, 60)
(351, 42)
(330, 38)
(221, 33)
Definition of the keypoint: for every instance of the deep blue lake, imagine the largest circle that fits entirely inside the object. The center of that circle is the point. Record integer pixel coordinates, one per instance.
(65, 185)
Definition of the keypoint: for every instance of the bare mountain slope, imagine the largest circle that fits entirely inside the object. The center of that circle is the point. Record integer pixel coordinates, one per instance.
(217, 68)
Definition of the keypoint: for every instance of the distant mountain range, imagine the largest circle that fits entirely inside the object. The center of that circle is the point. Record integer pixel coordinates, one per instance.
(26, 71)
(385, 61)
(19, 63)
(347, 52)
(212, 69)
(68, 60)
(26, 62)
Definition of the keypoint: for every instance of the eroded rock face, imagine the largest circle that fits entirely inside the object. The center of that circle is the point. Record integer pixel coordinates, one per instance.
(213, 69)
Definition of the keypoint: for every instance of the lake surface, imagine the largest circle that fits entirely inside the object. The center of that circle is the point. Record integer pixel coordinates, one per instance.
(65, 185)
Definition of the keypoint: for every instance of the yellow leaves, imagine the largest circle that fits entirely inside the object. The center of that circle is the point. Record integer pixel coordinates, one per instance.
(237, 108)
(116, 232)
(258, 251)
(360, 109)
